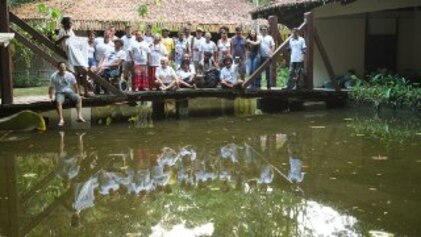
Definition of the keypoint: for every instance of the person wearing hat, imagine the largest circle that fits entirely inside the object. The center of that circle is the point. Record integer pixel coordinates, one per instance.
(168, 42)
(110, 63)
(196, 45)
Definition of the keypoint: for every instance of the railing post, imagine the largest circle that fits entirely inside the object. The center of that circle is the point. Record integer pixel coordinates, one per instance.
(5, 61)
(274, 32)
(309, 38)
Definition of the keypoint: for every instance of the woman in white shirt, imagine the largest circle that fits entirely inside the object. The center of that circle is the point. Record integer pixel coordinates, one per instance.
(185, 75)
(65, 32)
(165, 76)
(157, 52)
(224, 46)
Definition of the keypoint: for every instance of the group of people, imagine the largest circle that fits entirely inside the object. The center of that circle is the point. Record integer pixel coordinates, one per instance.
(159, 62)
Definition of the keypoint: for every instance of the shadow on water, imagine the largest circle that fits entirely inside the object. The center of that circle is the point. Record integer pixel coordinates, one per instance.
(302, 174)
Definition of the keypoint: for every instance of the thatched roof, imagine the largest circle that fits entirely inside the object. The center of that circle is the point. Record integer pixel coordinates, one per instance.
(98, 14)
(290, 12)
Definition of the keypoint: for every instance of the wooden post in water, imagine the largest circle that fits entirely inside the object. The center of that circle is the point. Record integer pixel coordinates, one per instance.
(9, 205)
(5, 61)
(158, 109)
(182, 108)
(309, 38)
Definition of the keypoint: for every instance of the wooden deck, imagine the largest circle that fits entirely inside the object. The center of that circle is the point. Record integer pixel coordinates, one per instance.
(43, 104)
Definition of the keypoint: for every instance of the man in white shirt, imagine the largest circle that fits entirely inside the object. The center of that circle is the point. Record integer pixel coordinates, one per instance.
(267, 46)
(139, 54)
(229, 74)
(128, 40)
(197, 43)
(298, 46)
(63, 85)
(103, 45)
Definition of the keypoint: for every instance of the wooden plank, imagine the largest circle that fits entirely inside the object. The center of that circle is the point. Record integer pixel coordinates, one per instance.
(265, 64)
(309, 57)
(5, 61)
(326, 60)
(38, 36)
(37, 50)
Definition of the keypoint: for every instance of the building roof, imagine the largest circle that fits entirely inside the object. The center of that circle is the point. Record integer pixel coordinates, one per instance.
(290, 12)
(98, 14)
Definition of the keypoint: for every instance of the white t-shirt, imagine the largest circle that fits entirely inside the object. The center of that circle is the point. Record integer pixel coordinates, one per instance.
(91, 51)
(230, 75)
(297, 47)
(112, 56)
(197, 45)
(101, 48)
(148, 39)
(157, 52)
(184, 75)
(128, 42)
(208, 47)
(166, 75)
(181, 47)
(140, 51)
(62, 84)
(62, 33)
(266, 46)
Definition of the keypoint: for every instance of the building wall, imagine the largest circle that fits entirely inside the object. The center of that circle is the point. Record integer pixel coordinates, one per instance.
(344, 41)
(343, 37)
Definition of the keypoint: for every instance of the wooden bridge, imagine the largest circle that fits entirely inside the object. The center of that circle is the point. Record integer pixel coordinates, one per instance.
(46, 49)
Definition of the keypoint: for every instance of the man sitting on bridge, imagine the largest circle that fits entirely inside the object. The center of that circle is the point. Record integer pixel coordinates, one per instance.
(62, 82)
(110, 64)
(229, 74)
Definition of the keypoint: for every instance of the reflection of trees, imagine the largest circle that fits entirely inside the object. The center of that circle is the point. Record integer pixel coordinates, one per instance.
(233, 186)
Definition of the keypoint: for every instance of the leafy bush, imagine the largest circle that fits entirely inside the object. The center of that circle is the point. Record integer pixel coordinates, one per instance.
(386, 88)
(25, 79)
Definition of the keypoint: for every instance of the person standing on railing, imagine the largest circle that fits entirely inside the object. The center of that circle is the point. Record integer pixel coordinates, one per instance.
(77, 53)
(267, 46)
(298, 47)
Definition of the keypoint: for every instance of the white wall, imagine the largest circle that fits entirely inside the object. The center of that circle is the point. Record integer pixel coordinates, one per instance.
(344, 41)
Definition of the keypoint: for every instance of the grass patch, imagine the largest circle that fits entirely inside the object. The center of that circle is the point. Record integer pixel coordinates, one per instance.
(31, 91)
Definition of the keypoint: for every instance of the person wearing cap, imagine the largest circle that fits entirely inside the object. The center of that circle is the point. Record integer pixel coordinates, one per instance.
(110, 64)
(196, 44)
(267, 46)
(168, 42)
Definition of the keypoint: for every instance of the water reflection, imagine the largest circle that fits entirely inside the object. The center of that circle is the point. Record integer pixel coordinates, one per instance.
(279, 181)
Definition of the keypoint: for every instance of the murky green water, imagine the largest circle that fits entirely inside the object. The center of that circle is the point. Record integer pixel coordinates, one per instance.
(321, 173)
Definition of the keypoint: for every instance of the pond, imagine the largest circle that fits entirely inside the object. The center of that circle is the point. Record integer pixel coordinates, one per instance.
(315, 173)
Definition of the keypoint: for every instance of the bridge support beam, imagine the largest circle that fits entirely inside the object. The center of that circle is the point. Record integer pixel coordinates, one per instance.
(5, 61)
(182, 107)
(158, 109)
(272, 105)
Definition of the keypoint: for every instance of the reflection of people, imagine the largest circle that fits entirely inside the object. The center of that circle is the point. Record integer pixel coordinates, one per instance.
(64, 85)
(295, 175)
(68, 166)
(298, 47)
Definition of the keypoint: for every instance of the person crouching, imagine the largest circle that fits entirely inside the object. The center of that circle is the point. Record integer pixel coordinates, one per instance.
(229, 77)
(165, 77)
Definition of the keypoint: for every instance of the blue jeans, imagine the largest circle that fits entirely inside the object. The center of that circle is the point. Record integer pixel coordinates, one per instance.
(253, 63)
(268, 76)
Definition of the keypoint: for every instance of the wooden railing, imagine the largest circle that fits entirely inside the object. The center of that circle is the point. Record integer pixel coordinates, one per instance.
(54, 48)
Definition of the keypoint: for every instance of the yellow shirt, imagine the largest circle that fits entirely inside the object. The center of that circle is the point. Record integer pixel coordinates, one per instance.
(169, 44)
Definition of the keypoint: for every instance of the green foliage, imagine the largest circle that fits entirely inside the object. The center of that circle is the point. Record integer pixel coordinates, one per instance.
(282, 77)
(25, 79)
(143, 10)
(386, 88)
(51, 20)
